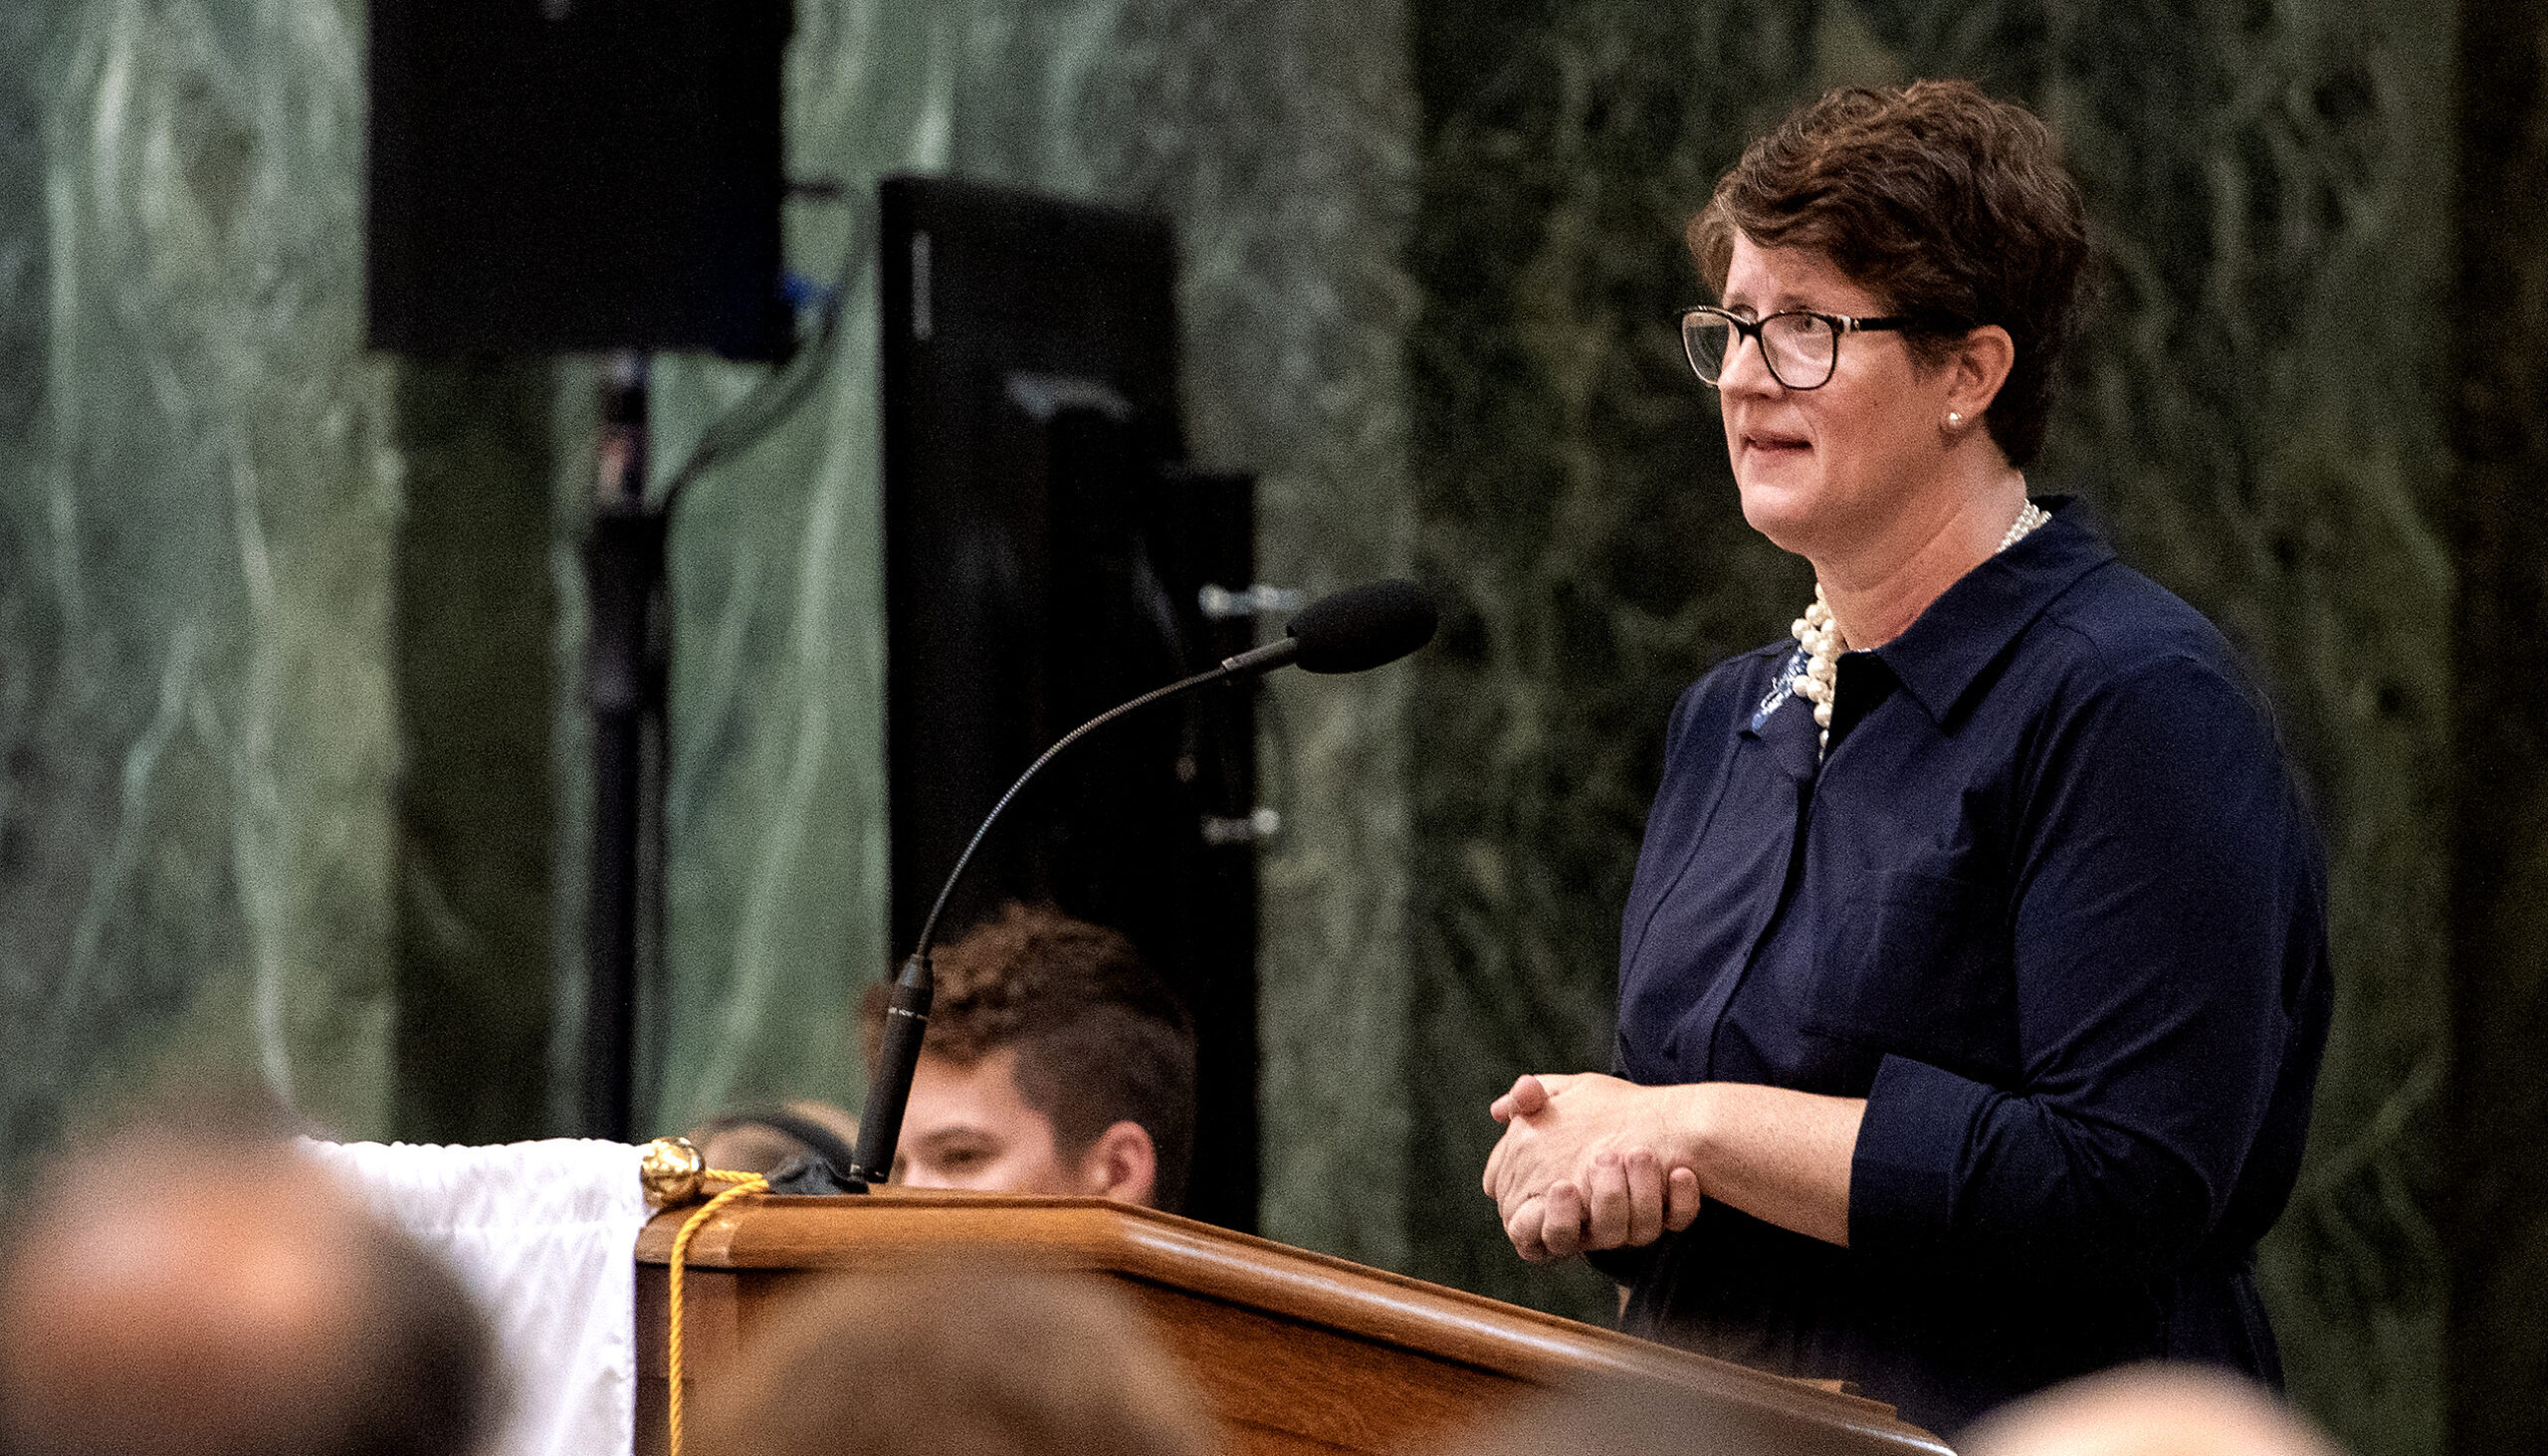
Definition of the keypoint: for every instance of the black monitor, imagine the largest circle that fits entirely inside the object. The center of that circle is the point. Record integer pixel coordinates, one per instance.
(1047, 553)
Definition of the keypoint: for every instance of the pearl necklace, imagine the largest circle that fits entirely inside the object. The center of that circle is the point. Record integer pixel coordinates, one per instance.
(1820, 638)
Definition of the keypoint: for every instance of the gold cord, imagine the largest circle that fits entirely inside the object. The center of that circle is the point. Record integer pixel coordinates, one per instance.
(742, 1183)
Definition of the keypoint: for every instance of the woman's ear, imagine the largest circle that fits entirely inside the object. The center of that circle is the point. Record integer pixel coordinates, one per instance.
(1121, 1164)
(1977, 369)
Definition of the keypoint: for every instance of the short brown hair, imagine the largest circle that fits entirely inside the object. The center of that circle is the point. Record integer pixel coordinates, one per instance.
(1100, 1038)
(940, 1363)
(1954, 207)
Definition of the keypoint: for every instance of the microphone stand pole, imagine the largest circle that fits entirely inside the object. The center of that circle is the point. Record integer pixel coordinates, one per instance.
(625, 650)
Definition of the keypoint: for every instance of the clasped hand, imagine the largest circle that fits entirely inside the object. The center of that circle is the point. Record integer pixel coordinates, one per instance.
(1588, 1161)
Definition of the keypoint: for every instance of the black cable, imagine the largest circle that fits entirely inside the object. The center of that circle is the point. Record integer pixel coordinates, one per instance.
(776, 396)
(929, 927)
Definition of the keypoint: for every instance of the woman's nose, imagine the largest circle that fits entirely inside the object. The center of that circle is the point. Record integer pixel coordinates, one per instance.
(1746, 371)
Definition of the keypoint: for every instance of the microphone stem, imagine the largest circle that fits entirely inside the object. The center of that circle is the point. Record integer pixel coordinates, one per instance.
(907, 1011)
(929, 927)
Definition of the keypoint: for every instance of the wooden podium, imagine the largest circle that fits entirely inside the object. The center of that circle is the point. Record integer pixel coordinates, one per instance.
(1297, 1351)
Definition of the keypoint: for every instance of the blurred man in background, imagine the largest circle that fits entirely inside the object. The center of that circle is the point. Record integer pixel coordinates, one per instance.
(763, 1140)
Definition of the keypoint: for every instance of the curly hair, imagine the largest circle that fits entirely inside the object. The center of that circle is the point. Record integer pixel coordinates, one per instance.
(1100, 1038)
(1953, 207)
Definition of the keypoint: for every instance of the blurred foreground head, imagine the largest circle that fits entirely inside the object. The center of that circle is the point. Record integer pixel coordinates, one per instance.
(2148, 1410)
(1599, 1414)
(219, 1296)
(955, 1365)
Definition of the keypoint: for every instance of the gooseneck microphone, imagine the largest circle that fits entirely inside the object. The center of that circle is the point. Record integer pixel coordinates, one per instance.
(1353, 631)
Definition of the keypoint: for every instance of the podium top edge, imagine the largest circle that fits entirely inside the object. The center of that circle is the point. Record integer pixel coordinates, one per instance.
(916, 1231)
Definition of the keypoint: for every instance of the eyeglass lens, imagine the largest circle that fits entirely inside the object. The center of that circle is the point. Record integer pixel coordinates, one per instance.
(1799, 348)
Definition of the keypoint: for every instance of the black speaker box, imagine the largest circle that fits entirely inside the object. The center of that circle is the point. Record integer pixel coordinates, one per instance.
(560, 175)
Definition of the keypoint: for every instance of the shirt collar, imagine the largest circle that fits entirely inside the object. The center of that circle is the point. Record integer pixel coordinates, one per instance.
(1937, 658)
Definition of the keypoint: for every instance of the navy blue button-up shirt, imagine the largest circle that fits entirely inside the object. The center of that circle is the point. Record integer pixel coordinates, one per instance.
(2053, 907)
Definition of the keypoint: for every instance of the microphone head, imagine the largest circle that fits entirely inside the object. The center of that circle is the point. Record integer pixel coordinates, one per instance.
(1363, 627)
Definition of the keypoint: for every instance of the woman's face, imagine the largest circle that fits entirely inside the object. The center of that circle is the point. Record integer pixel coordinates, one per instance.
(1821, 467)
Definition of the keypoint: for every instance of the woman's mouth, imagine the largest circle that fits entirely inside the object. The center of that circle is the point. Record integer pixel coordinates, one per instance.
(1771, 442)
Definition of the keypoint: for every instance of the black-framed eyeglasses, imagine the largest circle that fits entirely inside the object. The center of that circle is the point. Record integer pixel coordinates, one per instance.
(1800, 347)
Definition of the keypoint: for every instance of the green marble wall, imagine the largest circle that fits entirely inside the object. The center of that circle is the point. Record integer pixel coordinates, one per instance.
(2259, 413)
(196, 500)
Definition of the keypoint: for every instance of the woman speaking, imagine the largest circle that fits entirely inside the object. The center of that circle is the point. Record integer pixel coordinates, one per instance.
(1974, 977)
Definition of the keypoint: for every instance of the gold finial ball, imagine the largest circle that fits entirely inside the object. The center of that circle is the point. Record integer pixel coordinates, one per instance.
(672, 1170)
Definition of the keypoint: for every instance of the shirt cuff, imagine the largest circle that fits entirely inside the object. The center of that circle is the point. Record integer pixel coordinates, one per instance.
(1623, 1265)
(1910, 1160)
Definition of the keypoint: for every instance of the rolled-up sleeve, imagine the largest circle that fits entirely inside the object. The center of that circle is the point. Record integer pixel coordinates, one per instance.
(2159, 855)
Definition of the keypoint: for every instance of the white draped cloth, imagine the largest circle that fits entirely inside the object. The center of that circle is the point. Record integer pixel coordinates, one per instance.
(545, 1234)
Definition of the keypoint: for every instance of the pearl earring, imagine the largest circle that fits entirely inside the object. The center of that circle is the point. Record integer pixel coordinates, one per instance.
(1954, 418)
